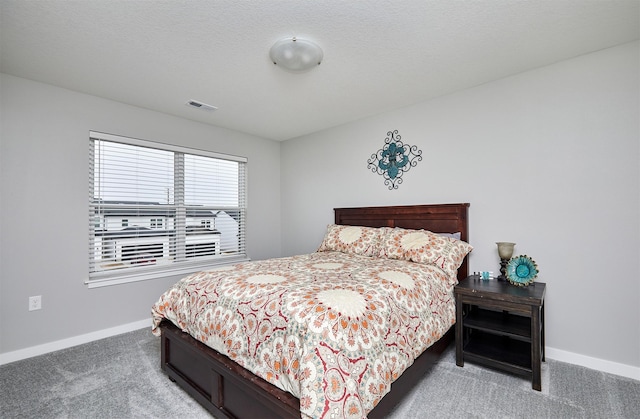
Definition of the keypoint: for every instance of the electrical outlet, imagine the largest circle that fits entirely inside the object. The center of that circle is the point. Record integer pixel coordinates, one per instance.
(35, 302)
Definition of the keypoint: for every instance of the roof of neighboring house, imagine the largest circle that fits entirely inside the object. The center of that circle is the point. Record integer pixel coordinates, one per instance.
(149, 209)
(136, 231)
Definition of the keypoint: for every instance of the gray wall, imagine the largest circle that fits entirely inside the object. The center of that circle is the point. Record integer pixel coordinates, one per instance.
(548, 159)
(44, 153)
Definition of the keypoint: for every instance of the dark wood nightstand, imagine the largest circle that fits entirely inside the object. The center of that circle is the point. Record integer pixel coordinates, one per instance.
(500, 325)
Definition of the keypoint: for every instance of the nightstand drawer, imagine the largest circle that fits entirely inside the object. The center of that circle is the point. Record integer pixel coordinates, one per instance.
(492, 302)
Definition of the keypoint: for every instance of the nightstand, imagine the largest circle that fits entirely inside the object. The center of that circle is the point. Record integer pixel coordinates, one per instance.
(501, 325)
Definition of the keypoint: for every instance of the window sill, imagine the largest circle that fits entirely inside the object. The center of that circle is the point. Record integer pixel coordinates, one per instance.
(112, 278)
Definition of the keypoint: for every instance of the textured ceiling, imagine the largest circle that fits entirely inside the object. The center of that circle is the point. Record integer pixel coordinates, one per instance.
(379, 55)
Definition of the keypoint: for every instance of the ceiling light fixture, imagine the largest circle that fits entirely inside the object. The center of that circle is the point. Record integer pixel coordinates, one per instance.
(296, 55)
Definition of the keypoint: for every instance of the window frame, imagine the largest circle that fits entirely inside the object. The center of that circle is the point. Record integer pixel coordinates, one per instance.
(187, 265)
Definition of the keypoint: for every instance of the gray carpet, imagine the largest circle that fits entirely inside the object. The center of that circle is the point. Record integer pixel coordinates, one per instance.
(120, 377)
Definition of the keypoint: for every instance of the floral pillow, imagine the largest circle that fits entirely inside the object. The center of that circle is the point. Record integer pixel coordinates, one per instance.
(423, 246)
(357, 240)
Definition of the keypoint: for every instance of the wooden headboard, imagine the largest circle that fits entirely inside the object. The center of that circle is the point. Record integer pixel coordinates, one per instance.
(439, 218)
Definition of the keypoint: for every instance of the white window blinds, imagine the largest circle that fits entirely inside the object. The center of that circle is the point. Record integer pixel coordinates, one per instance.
(157, 209)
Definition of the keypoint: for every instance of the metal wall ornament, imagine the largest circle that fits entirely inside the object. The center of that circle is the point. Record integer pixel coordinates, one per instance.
(394, 159)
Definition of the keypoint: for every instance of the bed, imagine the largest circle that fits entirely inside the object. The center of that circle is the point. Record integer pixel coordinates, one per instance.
(227, 389)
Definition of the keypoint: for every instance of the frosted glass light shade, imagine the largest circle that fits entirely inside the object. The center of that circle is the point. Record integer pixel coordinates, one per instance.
(505, 249)
(296, 55)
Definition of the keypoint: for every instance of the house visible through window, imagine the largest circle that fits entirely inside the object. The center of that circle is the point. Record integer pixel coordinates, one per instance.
(158, 209)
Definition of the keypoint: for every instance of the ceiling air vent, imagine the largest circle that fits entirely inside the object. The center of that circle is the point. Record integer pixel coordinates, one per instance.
(200, 105)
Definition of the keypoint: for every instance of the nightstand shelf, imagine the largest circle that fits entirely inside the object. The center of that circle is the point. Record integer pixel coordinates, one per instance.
(509, 354)
(501, 326)
(516, 327)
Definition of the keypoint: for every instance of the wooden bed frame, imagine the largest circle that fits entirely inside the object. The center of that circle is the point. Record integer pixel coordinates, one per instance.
(229, 391)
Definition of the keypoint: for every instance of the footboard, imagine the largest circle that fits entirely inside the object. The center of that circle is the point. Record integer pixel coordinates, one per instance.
(223, 387)
(227, 390)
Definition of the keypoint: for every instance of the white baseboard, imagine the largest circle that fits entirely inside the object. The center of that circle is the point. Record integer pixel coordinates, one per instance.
(551, 353)
(610, 367)
(73, 341)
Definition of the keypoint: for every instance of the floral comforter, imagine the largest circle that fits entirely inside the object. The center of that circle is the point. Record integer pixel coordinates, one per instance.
(333, 329)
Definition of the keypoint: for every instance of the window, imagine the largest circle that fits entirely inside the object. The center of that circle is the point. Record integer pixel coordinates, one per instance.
(157, 210)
